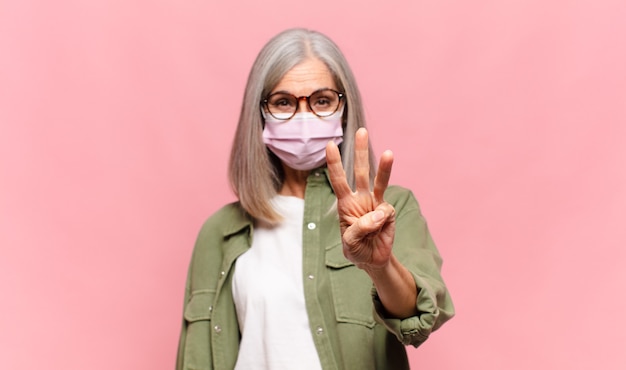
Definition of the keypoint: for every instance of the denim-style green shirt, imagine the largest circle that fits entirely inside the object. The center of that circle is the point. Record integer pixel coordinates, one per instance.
(347, 320)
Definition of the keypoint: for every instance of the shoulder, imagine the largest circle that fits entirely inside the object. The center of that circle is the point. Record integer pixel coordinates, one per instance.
(228, 219)
(215, 231)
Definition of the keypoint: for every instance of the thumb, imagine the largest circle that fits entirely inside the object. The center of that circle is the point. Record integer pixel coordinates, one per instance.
(369, 223)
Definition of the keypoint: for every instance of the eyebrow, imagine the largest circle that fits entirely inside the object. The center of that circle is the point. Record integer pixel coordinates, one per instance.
(287, 92)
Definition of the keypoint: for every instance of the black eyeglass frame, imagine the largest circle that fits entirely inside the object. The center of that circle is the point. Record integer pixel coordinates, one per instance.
(340, 96)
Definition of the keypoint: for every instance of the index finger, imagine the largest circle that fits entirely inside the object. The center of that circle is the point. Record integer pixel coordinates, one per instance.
(336, 172)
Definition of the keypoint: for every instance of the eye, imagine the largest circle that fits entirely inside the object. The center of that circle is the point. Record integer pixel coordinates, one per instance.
(321, 102)
(324, 100)
(281, 102)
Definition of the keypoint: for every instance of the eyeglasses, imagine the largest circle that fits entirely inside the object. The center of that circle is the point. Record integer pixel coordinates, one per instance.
(322, 103)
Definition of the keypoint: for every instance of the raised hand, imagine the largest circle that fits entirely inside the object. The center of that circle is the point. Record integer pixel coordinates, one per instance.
(367, 222)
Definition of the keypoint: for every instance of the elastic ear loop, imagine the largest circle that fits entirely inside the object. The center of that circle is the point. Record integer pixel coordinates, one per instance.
(264, 115)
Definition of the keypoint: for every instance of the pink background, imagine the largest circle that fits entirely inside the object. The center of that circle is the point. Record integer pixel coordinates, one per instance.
(507, 119)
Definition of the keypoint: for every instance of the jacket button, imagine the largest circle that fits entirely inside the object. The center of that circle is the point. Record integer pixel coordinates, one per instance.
(311, 277)
(218, 329)
(311, 225)
(319, 330)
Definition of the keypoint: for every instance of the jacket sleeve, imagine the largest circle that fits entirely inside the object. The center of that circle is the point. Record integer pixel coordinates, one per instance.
(183, 331)
(415, 249)
(194, 347)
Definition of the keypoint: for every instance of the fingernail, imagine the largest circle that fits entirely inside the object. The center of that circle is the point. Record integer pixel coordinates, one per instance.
(377, 216)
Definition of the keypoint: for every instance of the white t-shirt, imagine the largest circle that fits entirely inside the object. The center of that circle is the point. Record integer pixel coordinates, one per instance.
(268, 291)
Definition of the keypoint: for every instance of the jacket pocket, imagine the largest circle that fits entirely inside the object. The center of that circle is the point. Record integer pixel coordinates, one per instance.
(199, 306)
(197, 314)
(351, 289)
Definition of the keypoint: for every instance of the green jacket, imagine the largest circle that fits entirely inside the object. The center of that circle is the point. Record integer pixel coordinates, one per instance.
(346, 318)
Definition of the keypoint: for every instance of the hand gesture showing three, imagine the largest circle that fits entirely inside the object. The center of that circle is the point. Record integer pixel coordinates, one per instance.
(367, 222)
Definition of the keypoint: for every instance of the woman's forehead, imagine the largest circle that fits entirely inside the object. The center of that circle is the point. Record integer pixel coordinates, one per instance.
(306, 77)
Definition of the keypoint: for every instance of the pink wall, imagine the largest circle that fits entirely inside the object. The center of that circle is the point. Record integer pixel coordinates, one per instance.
(507, 119)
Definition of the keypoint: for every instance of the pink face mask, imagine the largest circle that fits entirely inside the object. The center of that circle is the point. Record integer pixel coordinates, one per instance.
(301, 141)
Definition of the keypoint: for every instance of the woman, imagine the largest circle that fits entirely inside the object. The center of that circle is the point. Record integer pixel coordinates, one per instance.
(303, 272)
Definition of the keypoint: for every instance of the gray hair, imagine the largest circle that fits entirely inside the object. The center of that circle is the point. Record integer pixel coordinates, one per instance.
(255, 172)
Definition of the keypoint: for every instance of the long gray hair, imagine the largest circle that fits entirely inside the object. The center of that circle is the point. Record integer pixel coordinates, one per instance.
(255, 173)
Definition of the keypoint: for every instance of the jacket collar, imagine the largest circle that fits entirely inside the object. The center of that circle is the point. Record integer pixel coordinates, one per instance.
(238, 219)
